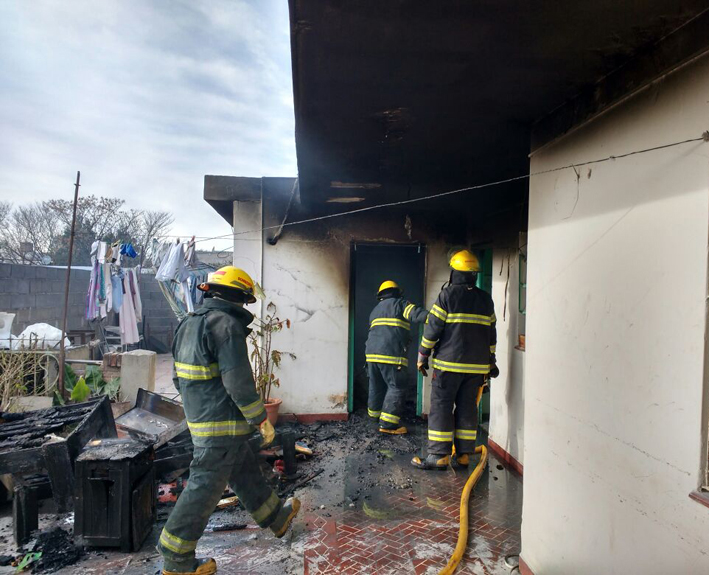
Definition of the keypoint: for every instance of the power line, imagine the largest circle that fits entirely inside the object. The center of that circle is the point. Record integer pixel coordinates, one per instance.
(703, 138)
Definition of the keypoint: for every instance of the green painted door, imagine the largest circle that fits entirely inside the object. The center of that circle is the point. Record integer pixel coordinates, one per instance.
(371, 264)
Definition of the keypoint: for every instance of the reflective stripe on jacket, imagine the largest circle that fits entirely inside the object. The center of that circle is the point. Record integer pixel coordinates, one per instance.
(213, 374)
(461, 330)
(390, 330)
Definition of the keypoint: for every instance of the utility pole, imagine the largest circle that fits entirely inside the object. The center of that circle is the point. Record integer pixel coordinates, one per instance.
(62, 352)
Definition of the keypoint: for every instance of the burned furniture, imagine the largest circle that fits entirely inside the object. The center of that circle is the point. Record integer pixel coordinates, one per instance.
(116, 501)
(174, 458)
(285, 439)
(48, 441)
(116, 494)
(155, 419)
(161, 422)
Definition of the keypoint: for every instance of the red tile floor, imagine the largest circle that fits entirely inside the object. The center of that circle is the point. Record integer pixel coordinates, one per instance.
(414, 530)
(368, 513)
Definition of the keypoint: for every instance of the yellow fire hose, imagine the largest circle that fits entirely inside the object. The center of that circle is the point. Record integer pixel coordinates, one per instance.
(464, 499)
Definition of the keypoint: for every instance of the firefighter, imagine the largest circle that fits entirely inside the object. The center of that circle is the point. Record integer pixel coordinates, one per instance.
(387, 344)
(460, 332)
(223, 408)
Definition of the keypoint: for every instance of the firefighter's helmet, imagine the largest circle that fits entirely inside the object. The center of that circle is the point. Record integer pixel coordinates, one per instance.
(230, 278)
(465, 261)
(386, 286)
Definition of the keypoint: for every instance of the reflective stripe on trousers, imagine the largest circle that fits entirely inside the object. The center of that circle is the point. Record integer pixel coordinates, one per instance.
(387, 393)
(211, 469)
(453, 417)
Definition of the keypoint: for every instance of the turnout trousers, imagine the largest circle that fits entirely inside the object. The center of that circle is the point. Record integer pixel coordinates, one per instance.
(454, 414)
(211, 469)
(387, 393)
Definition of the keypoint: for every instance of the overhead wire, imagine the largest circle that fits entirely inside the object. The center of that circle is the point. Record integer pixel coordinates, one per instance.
(703, 138)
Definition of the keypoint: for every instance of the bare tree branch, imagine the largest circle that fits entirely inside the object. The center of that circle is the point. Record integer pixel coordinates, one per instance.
(28, 229)
(5, 209)
(43, 229)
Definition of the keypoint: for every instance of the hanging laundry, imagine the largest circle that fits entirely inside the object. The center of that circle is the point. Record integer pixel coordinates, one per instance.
(103, 311)
(178, 281)
(117, 291)
(106, 270)
(112, 288)
(135, 292)
(161, 251)
(173, 266)
(173, 269)
(91, 304)
(128, 250)
(127, 320)
(101, 252)
(190, 254)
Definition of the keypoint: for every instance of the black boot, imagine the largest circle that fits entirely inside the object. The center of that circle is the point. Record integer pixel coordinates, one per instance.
(432, 461)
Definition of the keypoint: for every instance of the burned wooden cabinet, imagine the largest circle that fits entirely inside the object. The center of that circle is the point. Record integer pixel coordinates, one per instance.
(116, 497)
(48, 440)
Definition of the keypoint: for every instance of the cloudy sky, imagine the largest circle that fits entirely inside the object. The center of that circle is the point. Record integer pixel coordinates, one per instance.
(145, 97)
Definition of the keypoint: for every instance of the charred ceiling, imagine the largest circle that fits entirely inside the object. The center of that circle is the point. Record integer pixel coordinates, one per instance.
(400, 98)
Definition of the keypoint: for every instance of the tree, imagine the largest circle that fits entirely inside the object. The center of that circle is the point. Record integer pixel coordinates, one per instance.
(151, 225)
(28, 233)
(45, 228)
(5, 209)
(96, 218)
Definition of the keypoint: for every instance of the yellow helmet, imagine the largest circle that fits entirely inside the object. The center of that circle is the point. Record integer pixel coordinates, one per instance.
(388, 285)
(232, 278)
(465, 261)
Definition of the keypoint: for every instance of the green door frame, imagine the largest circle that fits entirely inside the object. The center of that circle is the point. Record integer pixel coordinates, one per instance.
(350, 329)
(419, 378)
(351, 341)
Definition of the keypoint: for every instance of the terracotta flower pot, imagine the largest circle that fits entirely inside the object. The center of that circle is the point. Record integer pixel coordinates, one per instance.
(272, 406)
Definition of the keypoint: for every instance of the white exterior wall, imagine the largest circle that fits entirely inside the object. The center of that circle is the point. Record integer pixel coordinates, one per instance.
(615, 342)
(308, 280)
(507, 391)
(314, 296)
(248, 248)
(437, 273)
(306, 275)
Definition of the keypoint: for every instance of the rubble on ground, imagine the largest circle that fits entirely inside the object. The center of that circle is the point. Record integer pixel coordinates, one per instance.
(56, 549)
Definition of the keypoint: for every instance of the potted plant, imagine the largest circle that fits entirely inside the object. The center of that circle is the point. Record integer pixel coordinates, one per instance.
(266, 360)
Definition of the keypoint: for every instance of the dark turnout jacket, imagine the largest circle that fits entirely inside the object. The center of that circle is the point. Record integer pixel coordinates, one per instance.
(390, 330)
(461, 329)
(213, 374)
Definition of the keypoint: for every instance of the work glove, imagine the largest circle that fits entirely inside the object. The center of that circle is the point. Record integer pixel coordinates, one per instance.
(494, 371)
(267, 432)
(422, 364)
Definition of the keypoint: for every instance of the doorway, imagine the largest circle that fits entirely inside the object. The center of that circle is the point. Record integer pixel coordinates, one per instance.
(372, 264)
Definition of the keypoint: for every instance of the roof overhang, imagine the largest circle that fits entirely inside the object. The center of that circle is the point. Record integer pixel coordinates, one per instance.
(221, 192)
(407, 97)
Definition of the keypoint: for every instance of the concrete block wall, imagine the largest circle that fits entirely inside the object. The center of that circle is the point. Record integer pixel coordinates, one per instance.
(36, 295)
(160, 320)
